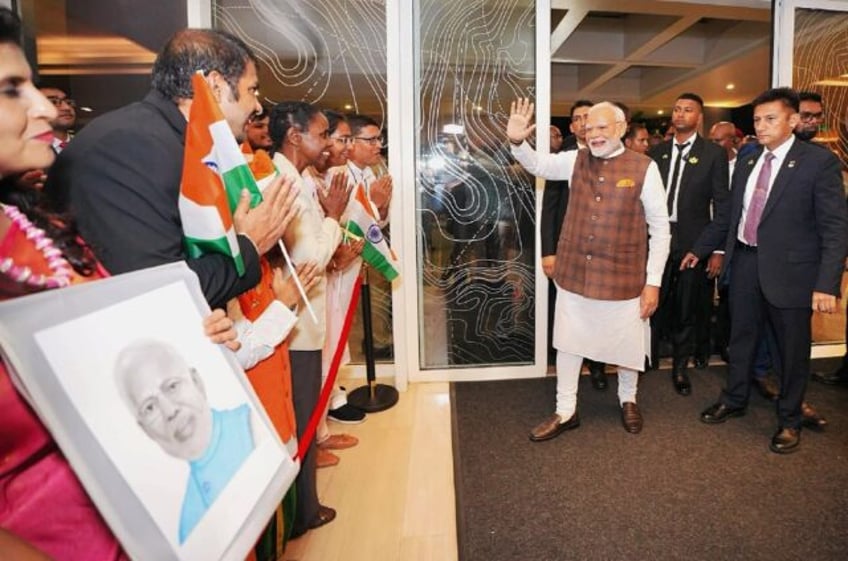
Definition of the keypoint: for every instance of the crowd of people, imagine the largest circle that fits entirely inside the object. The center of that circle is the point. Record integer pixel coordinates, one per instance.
(638, 235)
(106, 198)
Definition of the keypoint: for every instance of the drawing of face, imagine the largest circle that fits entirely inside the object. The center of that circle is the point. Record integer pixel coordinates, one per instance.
(166, 397)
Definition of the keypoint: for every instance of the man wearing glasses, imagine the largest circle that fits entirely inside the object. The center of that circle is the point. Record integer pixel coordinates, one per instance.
(812, 116)
(66, 117)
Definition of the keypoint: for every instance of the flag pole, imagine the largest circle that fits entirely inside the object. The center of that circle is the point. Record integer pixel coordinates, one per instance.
(297, 281)
(372, 397)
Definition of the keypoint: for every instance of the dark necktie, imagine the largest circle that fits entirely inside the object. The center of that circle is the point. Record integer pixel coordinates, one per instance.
(758, 201)
(675, 175)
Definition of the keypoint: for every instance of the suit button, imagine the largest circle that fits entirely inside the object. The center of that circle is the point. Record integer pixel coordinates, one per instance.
(598, 198)
(594, 218)
(601, 179)
(589, 257)
(591, 237)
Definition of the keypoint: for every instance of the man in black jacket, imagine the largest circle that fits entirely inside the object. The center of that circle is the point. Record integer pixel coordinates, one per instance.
(121, 175)
(695, 174)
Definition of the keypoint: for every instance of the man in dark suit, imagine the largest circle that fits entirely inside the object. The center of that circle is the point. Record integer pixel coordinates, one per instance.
(786, 244)
(694, 171)
(121, 174)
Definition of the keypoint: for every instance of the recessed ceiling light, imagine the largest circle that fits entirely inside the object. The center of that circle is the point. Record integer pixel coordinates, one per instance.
(660, 112)
(348, 106)
(730, 86)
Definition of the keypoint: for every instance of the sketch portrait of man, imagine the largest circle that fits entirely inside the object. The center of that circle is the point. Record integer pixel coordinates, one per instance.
(168, 399)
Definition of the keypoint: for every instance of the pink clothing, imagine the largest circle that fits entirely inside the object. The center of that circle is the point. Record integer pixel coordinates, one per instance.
(41, 500)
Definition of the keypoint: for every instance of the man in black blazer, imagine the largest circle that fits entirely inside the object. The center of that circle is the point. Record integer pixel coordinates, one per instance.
(121, 174)
(695, 174)
(786, 245)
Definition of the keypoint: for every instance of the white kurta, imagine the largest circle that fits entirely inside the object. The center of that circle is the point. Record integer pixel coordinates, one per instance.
(310, 237)
(609, 331)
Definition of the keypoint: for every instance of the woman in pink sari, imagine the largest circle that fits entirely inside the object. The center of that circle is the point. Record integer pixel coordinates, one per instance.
(44, 511)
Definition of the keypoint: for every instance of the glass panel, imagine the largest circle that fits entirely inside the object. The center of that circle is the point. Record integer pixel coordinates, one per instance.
(819, 34)
(476, 207)
(331, 53)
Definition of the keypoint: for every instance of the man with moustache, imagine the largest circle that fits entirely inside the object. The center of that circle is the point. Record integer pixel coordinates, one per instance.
(811, 116)
(66, 116)
(637, 138)
(786, 244)
(121, 175)
(608, 270)
(554, 205)
(695, 175)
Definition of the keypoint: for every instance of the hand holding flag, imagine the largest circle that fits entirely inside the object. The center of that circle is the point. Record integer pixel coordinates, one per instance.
(363, 223)
(265, 223)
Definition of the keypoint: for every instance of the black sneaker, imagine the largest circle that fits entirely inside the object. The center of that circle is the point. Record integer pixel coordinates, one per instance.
(341, 411)
(347, 414)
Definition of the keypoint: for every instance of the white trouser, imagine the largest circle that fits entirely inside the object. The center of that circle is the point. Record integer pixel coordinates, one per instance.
(568, 374)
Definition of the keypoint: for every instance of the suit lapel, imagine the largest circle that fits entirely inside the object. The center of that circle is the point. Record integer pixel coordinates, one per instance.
(692, 159)
(743, 170)
(664, 161)
(783, 178)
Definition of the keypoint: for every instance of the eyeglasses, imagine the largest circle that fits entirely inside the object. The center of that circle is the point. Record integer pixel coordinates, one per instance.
(602, 129)
(372, 140)
(806, 116)
(57, 101)
(342, 139)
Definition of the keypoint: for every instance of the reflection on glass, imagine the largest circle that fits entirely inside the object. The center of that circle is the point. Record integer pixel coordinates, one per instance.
(819, 35)
(331, 53)
(476, 207)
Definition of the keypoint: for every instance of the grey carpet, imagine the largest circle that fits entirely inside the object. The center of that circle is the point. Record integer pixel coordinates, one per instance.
(680, 490)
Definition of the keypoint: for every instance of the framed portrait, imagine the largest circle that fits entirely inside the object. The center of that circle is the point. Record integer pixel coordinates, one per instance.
(160, 424)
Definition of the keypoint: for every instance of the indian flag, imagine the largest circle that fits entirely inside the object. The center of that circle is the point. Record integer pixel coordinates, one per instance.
(362, 222)
(214, 174)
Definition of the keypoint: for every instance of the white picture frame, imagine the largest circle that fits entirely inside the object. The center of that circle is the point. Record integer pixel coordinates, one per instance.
(62, 348)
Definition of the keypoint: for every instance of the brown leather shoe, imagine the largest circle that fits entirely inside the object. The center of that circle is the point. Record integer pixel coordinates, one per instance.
(338, 442)
(785, 441)
(553, 427)
(631, 417)
(811, 418)
(768, 388)
(325, 458)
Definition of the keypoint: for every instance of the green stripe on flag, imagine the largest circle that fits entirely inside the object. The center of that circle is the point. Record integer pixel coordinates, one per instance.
(196, 247)
(372, 255)
(237, 179)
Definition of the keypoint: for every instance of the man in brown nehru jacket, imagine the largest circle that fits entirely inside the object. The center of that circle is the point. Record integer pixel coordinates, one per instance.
(608, 271)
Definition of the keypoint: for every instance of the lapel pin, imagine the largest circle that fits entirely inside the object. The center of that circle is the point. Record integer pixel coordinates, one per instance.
(750, 162)
(791, 164)
(693, 160)
(665, 156)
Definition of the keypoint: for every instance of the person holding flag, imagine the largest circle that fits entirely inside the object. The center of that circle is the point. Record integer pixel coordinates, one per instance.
(122, 174)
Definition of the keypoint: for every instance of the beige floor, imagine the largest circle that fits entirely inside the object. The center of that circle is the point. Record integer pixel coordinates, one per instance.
(394, 491)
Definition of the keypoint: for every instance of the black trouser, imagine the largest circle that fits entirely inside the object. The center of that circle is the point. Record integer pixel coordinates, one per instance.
(306, 386)
(750, 312)
(678, 306)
